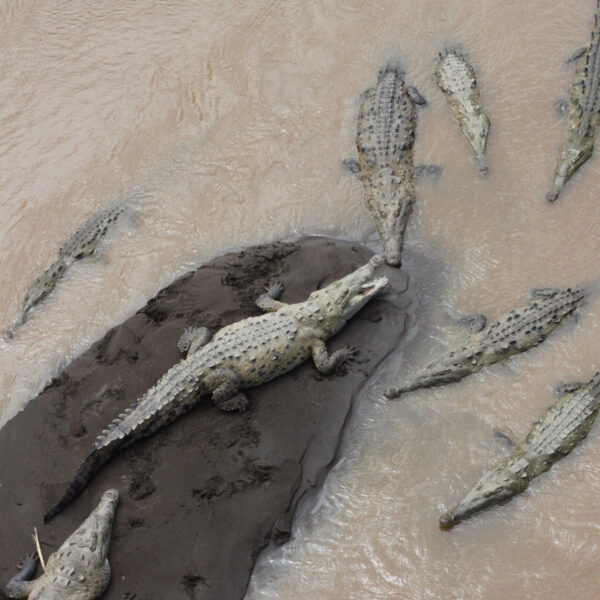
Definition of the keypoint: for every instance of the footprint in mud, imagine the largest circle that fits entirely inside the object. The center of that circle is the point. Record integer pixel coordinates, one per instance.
(190, 582)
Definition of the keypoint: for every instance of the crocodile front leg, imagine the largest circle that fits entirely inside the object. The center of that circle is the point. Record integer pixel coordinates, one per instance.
(326, 363)
(192, 339)
(19, 586)
(225, 384)
(475, 322)
(268, 302)
(568, 388)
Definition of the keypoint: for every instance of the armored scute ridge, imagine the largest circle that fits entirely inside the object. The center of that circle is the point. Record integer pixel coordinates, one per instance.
(79, 569)
(81, 244)
(456, 78)
(516, 332)
(584, 105)
(564, 426)
(239, 356)
(384, 139)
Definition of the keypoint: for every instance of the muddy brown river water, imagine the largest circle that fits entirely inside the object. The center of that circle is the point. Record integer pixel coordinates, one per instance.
(224, 124)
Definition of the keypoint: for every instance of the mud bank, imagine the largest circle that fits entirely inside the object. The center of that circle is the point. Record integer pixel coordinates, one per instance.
(201, 498)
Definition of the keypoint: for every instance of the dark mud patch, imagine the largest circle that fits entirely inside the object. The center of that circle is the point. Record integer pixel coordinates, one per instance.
(201, 498)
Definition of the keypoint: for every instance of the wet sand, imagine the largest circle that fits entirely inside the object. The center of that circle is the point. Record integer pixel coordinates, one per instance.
(203, 497)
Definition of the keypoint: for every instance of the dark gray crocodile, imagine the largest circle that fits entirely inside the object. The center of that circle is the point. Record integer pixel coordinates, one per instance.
(242, 355)
(584, 107)
(79, 569)
(456, 78)
(518, 331)
(563, 427)
(384, 139)
(81, 244)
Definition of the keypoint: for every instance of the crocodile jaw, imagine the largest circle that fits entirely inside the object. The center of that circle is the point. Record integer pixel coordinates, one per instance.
(503, 481)
(367, 291)
(571, 158)
(390, 198)
(95, 532)
(431, 377)
(475, 501)
(342, 299)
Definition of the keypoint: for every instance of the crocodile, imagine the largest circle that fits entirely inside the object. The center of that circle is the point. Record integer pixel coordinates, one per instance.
(82, 243)
(515, 332)
(79, 569)
(384, 139)
(239, 356)
(584, 106)
(456, 78)
(563, 427)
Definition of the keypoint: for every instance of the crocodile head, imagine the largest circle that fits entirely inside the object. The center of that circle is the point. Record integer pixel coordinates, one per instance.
(440, 372)
(498, 485)
(389, 198)
(93, 535)
(475, 129)
(339, 301)
(572, 155)
(42, 286)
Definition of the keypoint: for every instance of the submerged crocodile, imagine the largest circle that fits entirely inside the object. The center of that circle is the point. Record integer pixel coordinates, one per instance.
(518, 331)
(584, 107)
(384, 139)
(81, 244)
(242, 355)
(456, 78)
(562, 428)
(79, 569)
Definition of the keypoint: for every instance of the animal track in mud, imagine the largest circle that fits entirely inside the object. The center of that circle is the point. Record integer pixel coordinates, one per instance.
(190, 582)
(217, 486)
(141, 486)
(141, 467)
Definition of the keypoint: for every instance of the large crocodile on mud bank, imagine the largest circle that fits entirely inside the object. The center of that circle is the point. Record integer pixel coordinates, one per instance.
(584, 108)
(82, 243)
(79, 569)
(563, 427)
(384, 139)
(515, 332)
(456, 78)
(239, 356)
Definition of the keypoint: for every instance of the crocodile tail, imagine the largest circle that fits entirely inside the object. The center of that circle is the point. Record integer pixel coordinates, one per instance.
(86, 471)
(156, 409)
(112, 439)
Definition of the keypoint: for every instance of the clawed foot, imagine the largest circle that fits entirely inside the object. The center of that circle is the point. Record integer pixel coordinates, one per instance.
(28, 565)
(568, 388)
(274, 289)
(28, 562)
(345, 356)
(237, 403)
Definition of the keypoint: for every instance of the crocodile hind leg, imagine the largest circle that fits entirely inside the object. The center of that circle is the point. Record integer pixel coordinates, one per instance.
(423, 170)
(192, 339)
(568, 388)
(577, 54)
(225, 384)
(562, 107)
(268, 302)
(19, 586)
(416, 96)
(544, 292)
(351, 164)
(476, 322)
(327, 363)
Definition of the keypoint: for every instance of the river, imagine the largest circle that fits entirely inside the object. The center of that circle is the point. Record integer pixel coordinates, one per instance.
(224, 124)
